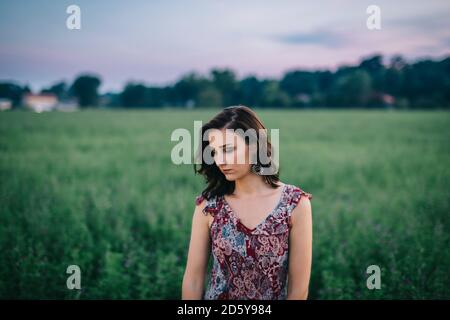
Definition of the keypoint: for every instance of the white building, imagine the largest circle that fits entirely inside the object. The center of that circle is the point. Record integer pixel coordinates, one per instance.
(40, 102)
(5, 104)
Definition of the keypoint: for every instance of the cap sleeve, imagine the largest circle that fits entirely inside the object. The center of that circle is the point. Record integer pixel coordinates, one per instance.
(213, 205)
(294, 199)
(199, 199)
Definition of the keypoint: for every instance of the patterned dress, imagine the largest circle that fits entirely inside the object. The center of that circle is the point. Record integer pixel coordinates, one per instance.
(250, 263)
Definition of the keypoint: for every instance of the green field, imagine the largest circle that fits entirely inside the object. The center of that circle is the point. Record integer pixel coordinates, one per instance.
(97, 189)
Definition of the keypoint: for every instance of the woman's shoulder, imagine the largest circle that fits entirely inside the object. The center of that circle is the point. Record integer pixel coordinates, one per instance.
(295, 195)
(199, 199)
(296, 191)
(208, 204)
(296, 198)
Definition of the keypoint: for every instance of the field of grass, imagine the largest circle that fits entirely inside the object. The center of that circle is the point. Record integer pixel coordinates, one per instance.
(97, 189)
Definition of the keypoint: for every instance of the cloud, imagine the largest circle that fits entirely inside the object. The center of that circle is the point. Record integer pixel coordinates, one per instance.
(430, 33)
(426, 23)
(322, 38)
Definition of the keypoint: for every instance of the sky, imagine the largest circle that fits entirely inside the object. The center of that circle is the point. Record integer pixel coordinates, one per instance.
(156, 42)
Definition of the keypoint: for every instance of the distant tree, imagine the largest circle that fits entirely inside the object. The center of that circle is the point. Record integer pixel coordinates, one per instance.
(209, 97)
(59, 89)
(188, 88)
(397, 62)
(426, 84)
(352, 89)
(26, 89)
(393, 81)
(85, 89)
(298, 82)
(137, 95)
(13, 91)
(372, 64)
(157, 97)
(273, 96)
(111, 99)
(444, 66)
(375, 68)
(250, 91)
(225, 82)
(369, 83)
(134, 95)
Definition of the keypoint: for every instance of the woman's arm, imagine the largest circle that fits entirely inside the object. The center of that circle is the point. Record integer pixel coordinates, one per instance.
(300, 250)
(197, 261)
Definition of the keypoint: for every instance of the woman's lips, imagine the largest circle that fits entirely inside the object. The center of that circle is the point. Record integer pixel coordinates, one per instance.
(227, 171)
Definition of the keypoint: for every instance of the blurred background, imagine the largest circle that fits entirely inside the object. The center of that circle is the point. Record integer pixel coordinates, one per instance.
(89, 98)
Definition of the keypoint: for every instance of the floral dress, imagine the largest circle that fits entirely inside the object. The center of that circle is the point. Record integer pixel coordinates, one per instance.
(250, 263)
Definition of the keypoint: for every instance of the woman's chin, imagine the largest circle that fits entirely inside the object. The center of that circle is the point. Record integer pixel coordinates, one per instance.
(230, 177)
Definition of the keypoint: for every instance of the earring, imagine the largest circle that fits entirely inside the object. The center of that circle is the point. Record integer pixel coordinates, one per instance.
(256, 168)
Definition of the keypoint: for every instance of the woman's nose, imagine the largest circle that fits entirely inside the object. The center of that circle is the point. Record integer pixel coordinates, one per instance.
(219, 158)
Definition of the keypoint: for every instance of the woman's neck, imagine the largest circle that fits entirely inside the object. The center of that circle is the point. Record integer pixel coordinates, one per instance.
(249, 186)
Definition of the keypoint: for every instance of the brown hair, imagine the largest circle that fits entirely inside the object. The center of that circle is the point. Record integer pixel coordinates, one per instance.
(234, 117)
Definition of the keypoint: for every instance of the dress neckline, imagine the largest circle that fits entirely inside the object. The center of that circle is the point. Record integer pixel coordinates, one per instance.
(236, 219)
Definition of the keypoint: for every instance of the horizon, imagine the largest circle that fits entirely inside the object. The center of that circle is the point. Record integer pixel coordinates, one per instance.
(170, 83)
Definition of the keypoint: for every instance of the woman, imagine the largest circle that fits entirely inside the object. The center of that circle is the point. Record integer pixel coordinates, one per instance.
(258, 229)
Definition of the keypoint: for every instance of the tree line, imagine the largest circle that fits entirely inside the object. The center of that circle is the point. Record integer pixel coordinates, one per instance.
(371, 83)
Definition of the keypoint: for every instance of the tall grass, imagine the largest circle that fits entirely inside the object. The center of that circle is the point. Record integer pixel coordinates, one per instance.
(97, 189)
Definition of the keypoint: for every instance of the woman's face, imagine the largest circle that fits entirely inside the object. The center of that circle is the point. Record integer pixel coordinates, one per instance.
(230, 152)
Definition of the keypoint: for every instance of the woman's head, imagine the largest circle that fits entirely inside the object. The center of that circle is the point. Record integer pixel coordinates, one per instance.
(234, 140)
